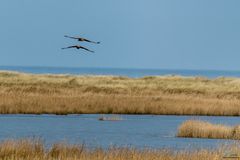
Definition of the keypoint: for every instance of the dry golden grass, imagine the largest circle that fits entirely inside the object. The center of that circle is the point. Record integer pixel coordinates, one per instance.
(202, 129)
(35, 150)
(66, 94)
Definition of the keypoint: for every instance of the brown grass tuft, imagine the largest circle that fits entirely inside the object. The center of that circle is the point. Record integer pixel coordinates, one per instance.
(202, 129)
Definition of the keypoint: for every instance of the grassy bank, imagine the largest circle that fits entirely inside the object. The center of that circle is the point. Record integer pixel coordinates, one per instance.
(202, 129)
(66, 94)
(35, 150)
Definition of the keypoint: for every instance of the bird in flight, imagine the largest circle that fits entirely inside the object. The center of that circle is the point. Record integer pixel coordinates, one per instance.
(82, 39)
(79, 47)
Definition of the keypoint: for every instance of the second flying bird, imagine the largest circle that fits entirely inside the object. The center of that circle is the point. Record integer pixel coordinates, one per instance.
(78, 46)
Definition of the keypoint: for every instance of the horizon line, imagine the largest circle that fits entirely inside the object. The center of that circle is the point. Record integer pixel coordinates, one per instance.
(123, 68)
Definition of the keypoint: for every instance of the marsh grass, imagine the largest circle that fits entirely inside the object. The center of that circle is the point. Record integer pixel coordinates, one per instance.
(203, 129)
(35, 150)
(169, 95)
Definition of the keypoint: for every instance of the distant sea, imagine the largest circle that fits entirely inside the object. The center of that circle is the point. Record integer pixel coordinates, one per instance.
(135, 73)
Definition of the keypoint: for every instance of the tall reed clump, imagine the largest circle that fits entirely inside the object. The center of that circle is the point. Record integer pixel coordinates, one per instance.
(36, 150)
(22, 149)
(202, 129)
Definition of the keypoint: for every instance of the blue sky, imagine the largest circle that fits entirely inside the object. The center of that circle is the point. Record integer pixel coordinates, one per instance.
(170, 34)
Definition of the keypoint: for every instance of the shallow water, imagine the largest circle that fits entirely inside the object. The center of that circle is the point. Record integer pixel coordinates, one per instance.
(133, 130)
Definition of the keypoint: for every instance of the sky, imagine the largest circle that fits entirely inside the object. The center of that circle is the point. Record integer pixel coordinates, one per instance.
(158, 34)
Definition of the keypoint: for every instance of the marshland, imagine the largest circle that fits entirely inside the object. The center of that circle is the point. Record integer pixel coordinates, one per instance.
(159, 95)
(119, 80)
(102, 109)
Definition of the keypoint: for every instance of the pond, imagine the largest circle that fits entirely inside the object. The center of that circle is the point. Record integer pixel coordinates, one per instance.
(151, 131)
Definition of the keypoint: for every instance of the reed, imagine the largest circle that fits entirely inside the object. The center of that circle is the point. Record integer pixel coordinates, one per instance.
(34, 150)
(202, 129)
(169, 95)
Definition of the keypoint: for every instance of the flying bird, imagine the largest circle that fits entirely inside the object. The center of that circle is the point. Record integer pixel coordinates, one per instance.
(78, 47)
(82, 39)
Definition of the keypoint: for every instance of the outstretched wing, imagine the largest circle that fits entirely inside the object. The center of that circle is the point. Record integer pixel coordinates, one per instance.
(70, 47)
(71, 37)
(84, 39)
(86, 49)
(81, 39)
